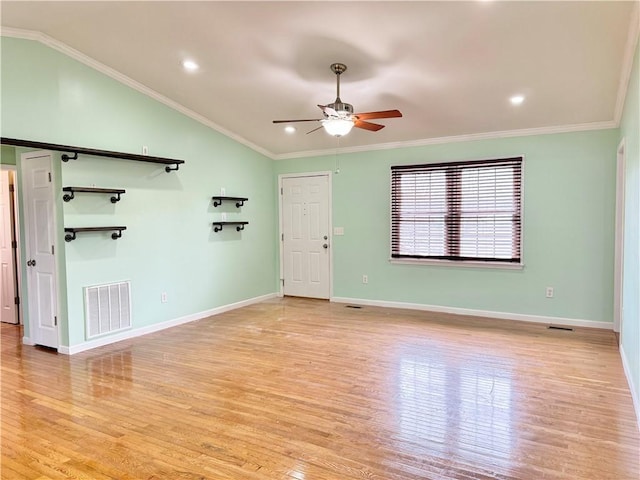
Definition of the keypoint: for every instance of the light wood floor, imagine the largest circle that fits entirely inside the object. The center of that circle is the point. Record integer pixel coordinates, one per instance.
(306, 390)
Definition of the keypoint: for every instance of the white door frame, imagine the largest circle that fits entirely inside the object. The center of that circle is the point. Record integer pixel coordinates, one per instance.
(16, 221)
(281, 177)
(619, 239)
(24, 158)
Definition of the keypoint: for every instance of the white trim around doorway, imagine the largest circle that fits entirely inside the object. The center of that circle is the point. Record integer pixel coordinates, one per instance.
(281, 177)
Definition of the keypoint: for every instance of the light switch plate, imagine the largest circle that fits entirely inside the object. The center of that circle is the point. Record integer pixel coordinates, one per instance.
(338, 230)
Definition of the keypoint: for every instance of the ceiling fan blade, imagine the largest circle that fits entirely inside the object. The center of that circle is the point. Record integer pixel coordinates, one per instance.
(380, 114)
(374, 127)
(328, 111)
(292, 121)
(314, 130)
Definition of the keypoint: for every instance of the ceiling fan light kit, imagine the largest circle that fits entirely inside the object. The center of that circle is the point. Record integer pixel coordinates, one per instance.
(337, 127)
(339, 118)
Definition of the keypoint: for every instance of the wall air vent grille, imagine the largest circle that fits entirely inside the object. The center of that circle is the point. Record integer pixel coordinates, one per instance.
(107, 308)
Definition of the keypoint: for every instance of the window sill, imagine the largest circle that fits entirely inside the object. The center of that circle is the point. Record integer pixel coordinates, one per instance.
(453, 263)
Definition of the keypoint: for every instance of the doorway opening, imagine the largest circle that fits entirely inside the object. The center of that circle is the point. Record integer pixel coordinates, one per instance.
(618, 307)
(10, 281)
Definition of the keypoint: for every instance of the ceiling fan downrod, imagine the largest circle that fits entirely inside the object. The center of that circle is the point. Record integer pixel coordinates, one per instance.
(338, 69)
(338, 105)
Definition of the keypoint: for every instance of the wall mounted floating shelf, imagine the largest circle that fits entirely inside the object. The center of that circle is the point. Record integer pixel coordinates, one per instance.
(239, 200)
(73, 190)
(217, 226)
(72, 231)
(94, 152)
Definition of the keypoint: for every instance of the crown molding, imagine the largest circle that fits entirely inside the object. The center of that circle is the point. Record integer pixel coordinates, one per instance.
(129, 82)
(627, 62)
(634, 31)
(454, 139)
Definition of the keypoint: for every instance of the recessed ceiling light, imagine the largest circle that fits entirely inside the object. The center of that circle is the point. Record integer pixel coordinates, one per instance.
(290, 129)
(190, 65)
(517, 99)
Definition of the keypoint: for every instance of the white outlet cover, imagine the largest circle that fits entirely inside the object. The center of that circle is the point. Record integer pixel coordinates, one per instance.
(145, 150)
(223, 191)
(224, 216)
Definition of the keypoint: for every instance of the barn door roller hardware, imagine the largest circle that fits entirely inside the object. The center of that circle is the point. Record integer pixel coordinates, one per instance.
(171, 164)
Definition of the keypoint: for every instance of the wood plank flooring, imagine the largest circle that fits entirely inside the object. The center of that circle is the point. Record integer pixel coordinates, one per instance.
(300, 389)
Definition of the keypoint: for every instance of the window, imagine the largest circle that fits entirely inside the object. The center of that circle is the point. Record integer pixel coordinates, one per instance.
(460, 211)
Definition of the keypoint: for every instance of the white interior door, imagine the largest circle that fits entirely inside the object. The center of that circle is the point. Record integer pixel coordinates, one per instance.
(8, 294)
(40, 229)
(305, 236)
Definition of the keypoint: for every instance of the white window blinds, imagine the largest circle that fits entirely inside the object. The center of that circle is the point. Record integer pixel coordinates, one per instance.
(457, 211)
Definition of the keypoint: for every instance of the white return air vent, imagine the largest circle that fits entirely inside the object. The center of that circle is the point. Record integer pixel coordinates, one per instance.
(107, 308)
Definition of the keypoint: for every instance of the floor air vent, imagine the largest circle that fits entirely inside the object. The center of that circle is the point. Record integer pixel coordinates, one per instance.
(108, 308)
(354, 306)
(554, 327)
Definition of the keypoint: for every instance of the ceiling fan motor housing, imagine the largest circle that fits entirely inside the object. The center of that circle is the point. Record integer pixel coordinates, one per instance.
(341, 108)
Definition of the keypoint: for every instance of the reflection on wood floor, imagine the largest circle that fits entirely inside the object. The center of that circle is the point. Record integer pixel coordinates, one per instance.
(307, 390)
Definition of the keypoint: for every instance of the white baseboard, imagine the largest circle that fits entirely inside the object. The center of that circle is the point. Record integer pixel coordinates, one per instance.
(160, 326)
(632, 386)
(573, 322)
(27, 341)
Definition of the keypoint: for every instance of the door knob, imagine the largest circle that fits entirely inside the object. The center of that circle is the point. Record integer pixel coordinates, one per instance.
(324, 245)
(31, 263)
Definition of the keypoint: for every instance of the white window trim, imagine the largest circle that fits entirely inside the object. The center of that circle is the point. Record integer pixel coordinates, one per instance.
(457, 263)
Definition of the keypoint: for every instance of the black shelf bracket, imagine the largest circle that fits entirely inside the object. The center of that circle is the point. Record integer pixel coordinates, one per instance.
(66, 158)
(239, 200)
(217, 226)
(71, 232)
(172, 169)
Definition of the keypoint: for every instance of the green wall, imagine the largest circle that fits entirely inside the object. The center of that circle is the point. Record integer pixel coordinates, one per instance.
(7, 155)
(569, 202)
(630, 131)
(169, 245)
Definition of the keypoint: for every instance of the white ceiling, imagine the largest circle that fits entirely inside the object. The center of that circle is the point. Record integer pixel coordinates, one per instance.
(450, 67)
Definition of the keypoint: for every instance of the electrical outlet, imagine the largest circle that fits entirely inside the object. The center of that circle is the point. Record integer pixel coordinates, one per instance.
(549, 292)
(163, 297)
(223, 216)
(223, 191)
(365, 279)
(145, 150)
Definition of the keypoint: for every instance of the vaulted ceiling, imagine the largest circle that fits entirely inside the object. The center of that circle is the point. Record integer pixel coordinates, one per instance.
(450, 67)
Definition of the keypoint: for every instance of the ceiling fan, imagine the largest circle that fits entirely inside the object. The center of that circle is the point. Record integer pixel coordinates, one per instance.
(338, 117)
